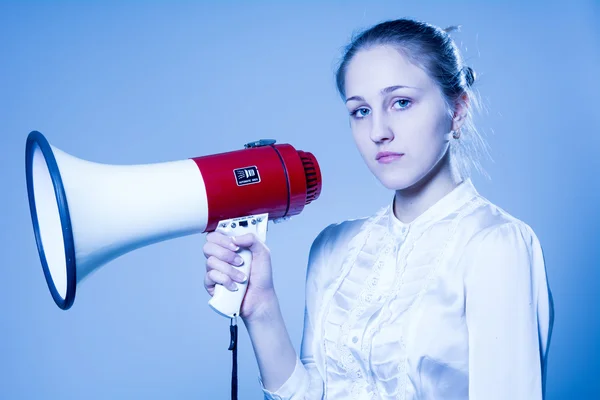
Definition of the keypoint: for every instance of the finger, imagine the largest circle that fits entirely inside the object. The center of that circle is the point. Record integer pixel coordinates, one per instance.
(252, 242)
(214, 263)
(214, 277)
(222, 240)
(214, 250)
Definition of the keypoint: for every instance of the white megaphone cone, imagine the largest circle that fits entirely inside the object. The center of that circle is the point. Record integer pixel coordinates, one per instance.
(86, 214)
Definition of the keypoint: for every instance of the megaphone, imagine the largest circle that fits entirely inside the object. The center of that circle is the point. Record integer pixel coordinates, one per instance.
(86, 214)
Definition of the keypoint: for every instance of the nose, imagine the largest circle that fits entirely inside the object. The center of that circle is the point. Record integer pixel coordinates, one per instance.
(381, 131)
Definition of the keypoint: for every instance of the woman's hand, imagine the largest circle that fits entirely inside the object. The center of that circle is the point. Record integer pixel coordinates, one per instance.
(222, 262)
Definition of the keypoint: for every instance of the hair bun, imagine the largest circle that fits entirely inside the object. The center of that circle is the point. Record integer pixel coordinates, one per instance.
(469, 75)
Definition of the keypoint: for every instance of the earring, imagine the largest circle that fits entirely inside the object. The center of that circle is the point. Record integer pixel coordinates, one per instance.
(456, 134)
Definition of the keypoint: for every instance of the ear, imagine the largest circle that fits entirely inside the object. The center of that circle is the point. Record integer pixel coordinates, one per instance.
(461, 106)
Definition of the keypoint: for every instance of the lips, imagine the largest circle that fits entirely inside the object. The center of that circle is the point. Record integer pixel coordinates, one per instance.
(387, 156)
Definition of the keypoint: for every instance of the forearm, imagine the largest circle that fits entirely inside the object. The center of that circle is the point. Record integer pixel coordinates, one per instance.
(273, 348)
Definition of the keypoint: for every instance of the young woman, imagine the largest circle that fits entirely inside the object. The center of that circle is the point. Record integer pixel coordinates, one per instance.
(439, 295)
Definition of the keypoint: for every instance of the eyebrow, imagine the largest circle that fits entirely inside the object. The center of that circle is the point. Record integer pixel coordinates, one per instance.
(386, 90)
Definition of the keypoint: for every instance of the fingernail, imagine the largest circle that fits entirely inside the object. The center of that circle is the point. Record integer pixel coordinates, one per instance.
(242, 278)
(233, 247)
(238, 260)
(233, 287)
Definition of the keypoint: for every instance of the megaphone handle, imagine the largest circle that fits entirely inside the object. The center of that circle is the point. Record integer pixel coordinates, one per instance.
(224, 301)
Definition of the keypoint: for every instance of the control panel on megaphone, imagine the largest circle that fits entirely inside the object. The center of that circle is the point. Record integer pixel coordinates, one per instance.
(86, 214)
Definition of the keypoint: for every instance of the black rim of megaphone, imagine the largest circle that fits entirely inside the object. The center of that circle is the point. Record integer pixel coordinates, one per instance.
(34, 138)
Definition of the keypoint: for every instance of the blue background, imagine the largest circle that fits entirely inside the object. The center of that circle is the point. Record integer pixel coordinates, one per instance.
(149, 82)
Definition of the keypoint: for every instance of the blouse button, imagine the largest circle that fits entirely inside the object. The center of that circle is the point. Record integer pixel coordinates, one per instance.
(354, 339)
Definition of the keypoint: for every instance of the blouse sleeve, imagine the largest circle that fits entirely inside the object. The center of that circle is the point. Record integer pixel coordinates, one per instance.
(508, 313)
(306, 383)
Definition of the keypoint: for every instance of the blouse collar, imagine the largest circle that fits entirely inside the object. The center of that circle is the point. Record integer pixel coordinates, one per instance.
(452, 201)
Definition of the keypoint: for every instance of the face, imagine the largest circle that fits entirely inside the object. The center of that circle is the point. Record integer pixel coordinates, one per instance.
(398, 116)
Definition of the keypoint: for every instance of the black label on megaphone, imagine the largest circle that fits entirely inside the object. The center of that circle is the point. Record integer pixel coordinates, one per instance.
(246, 175)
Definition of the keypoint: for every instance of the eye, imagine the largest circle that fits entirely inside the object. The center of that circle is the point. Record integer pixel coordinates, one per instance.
(401, 104)
(360, 112)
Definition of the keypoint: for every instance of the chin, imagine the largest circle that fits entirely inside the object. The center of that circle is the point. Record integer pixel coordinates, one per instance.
(400, 179)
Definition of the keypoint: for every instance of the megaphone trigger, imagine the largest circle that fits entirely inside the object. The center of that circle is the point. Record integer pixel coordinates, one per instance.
(224, 301)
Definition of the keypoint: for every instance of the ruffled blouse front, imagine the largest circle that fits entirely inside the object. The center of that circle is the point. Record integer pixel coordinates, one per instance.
(424, 310)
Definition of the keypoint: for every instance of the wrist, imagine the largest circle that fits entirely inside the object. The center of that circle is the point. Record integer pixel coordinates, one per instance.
(266, 313)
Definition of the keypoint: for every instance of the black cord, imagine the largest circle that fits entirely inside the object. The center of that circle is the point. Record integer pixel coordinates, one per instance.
(233, 330)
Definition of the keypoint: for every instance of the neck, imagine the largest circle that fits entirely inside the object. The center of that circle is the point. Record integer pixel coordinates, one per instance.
(414, 200)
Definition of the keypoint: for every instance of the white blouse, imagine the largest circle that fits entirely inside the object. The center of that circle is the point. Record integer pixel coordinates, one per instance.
(454, 305)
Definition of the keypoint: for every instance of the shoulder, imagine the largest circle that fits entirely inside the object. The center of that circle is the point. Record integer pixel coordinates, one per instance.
(336, 235)
(494, 226)
(330, 247)
(500, 244)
